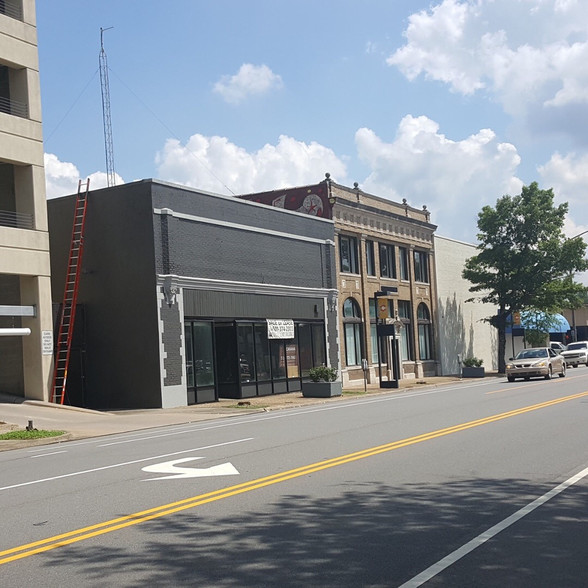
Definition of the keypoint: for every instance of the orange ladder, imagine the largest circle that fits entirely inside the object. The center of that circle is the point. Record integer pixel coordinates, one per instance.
(72, 281)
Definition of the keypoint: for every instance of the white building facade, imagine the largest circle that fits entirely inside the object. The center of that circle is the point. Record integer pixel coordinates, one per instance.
(461, 327)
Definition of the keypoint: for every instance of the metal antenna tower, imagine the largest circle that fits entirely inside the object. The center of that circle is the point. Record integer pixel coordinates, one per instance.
(105, 86)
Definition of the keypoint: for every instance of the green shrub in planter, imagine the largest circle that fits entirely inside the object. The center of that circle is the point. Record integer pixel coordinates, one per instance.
(472, 368)
(472, 362)
(322, 384)
(322, 374)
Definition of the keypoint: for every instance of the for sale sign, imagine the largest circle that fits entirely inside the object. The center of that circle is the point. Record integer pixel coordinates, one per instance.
(280, 329)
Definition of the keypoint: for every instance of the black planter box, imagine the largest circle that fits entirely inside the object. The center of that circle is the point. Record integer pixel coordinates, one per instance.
(472, 372)
(321, 389)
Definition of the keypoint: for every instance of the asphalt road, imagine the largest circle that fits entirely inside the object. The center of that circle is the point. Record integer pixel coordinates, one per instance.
(481, 484)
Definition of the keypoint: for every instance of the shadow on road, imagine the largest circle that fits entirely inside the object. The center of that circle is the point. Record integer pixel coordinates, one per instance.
(368, 536)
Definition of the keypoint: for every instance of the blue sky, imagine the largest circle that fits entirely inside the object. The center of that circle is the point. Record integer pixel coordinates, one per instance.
(447, 103)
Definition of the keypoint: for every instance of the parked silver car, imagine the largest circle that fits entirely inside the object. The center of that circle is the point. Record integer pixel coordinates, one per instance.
(576, 354)
(536, 362)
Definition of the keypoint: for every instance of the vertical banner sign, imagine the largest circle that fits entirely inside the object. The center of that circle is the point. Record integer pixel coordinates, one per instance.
(280, 329)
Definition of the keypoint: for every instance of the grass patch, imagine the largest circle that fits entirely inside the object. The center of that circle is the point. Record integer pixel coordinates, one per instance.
(354, 392)
(29, 435)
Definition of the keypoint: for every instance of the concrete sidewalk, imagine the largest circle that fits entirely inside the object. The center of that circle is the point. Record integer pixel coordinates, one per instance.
(79, 423)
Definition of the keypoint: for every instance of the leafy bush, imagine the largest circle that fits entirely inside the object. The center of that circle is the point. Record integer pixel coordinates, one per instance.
(322, 374)
(472, 362)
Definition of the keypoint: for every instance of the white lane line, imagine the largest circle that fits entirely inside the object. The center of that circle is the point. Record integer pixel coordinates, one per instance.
(45, 454)
(118, 465)
(464, 550)
(154, 436)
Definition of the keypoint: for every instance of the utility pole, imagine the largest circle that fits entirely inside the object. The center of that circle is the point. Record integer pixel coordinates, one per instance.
(105, 87)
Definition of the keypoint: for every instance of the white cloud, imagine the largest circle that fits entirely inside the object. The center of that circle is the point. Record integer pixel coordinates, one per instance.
(217, 165)
(454, 179)
(61, 177)
(528, 53)
(568, 176)
(251, 80)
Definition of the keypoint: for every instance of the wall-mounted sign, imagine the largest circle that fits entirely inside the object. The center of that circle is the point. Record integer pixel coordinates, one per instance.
(280, 329)
(383, 308)
(47, 342)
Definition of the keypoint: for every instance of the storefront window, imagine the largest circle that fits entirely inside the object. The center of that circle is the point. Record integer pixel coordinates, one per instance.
(293, 369)
(247, 362)
(305, 342)
(278, 357)
(352, 327)
(189, 355)
(246, 353)
(203, 354)
(262, 353)
(226, 353)
(319, 351)
(424, 328)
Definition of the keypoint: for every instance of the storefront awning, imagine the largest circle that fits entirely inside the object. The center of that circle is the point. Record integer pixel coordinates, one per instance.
(561, 324)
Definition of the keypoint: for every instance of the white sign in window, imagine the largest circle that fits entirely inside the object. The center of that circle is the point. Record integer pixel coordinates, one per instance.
(280, 329)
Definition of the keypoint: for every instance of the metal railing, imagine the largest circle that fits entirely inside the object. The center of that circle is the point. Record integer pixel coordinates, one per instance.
(14, 107)
(16, 220)
(11, 9)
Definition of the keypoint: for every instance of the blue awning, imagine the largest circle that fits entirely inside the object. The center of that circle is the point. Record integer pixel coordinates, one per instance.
(561, 324)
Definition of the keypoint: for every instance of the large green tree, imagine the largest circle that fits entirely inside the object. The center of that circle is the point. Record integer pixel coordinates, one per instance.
(524, 260)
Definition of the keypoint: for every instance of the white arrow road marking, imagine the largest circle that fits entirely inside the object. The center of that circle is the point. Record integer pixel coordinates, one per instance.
(169, 467)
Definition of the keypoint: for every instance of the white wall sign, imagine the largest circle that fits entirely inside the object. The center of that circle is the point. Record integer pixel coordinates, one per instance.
(280, 329)
(47, 342)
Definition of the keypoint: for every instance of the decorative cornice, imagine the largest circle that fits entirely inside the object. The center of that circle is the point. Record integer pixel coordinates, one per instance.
(368, 220)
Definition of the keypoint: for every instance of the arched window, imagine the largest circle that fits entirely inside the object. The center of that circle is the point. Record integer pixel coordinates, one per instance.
(425, 336)
(352, 327)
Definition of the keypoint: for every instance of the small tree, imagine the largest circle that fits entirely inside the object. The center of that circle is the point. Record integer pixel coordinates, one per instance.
(524, 260)
(537, 325)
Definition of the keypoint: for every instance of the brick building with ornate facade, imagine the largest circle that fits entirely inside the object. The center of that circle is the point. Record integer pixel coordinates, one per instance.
(381, 246)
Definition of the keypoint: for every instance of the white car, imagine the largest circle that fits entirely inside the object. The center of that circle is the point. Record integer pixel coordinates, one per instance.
(557, 346)
(576, 353)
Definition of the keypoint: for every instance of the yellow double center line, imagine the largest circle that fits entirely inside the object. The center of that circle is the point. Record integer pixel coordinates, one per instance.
(153, 513)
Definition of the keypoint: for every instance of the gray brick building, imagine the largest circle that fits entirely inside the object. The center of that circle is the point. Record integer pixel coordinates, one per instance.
(183, 294)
